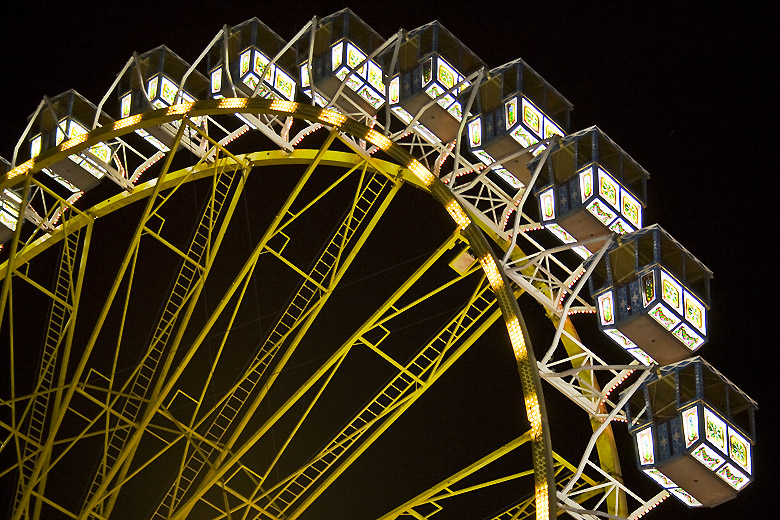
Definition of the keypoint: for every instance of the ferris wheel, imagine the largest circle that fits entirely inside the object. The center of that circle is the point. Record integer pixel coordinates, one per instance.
(271, 283)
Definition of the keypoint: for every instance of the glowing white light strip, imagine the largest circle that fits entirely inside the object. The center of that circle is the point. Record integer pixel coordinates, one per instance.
(181, 108)
(332, 118)
(70, 143)
(421, 172)
(379, 140)
(280, 105)
(128, 121)
(497, 283)
(457, 214)
(233, 103)
(542, 501)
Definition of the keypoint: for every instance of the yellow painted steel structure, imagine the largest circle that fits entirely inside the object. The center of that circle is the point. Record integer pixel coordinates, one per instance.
(211, 448)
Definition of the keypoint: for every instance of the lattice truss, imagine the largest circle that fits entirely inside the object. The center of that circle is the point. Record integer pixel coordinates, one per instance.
(186, 402)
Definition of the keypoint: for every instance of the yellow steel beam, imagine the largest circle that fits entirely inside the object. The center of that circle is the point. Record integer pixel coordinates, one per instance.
(224, 462)
(605, 445)
(368, 417)
(200, 171)
(44, 290)
(270, 232)
(48, 360)
(546, 503)
(60, 414)
(432, 492)
(12, 259)
(338, 159)
(377, 317)
(462, 347)
(210, 250)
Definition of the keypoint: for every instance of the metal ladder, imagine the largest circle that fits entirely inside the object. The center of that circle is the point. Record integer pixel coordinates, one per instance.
(310, 287)
(391, 394)
(59, 315)
(185, 280)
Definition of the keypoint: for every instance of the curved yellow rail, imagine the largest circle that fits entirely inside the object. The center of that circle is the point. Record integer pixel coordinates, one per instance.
(413, 171)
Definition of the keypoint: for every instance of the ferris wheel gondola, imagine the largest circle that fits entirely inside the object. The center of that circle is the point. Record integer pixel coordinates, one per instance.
(208, 289)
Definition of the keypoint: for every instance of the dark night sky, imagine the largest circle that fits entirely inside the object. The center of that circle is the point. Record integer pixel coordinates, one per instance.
(684, 87)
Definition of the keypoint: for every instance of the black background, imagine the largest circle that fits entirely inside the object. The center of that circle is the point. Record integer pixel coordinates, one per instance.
(688, 89)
